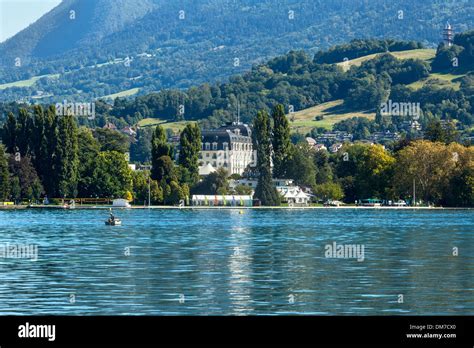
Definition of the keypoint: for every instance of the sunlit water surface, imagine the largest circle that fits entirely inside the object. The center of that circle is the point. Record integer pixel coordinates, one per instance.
(222, 262)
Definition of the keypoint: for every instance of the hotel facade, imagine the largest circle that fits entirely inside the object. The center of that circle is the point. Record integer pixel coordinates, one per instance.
(229, 147)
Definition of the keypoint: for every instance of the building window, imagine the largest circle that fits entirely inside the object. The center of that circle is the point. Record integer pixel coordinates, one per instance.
(208, 146)
(214, 146)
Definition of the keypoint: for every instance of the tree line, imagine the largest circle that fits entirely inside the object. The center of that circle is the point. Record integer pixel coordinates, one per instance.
(46, 155)
(49, 155)
(441, 170)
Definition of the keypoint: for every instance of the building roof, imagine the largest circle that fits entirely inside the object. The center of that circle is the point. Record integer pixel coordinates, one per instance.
(292, 192)
(228, 134)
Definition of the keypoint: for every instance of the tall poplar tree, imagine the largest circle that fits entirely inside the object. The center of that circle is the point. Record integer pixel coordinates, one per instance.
(4, 175)
(159, 150)
(190, 145)
(9, 133)
(66, 162)
(265, 191)
(24, 132)
(281, 142)
(47, 151)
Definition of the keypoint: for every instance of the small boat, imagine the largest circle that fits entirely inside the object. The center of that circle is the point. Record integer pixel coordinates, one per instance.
(112, 220)
(116, 222)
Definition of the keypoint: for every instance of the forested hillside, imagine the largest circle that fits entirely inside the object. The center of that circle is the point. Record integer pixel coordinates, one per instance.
(297, 81)
(149, 45)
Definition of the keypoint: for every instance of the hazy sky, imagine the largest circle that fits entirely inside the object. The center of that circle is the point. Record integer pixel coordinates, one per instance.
(16, 15)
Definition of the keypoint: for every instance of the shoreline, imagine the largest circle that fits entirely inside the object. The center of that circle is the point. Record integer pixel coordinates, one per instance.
(159, 207)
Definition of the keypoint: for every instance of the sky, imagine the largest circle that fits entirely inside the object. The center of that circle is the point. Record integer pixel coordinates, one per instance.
(16, 15)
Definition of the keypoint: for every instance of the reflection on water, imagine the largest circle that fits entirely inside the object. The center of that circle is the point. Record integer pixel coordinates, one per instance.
(262, 262)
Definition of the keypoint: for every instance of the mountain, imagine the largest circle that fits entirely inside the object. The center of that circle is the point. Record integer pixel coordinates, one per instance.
(73, 24)
(122, 47)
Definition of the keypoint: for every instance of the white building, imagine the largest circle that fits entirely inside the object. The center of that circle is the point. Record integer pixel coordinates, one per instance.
(293, 195)
(228, 147)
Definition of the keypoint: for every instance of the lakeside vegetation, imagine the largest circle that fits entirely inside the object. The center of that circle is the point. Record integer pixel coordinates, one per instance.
(64, 156)
(48, 155)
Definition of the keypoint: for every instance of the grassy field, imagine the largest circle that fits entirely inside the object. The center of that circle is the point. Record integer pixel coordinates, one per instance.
(423, 54)
(174, 126)
(122, 94)
(27, 83)
(441, 80)
(303, 121)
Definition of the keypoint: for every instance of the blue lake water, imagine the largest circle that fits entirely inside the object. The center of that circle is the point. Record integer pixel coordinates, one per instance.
(221, 262)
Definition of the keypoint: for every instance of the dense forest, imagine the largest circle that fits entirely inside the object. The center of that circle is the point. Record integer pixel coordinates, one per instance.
(152, 45)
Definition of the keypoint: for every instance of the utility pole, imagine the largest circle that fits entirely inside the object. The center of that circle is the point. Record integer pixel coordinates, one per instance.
(149, 193)
(414, 193)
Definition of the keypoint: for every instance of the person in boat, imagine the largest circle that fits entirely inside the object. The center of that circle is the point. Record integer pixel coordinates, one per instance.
(112, 217)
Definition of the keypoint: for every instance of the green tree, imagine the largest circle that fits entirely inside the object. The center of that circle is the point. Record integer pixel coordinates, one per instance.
(24, 132)
(243, 190)
(66, 160)
(214, 183)
(177, 193)
(460, 189)
(112, 140)
(190, 146)
(141, 184)
(140, 150)
(4, 175)
(45, 160)
(369, 168)
(429, 165)
(159, 150)
(15, 189)
(9, 133)
(324, 171)
(112, 176)
(88, 150)
(25, 181)
(164, 170)
(265, 190)
(329, 191)
(300, 166)
(281, 142)
(436, 132)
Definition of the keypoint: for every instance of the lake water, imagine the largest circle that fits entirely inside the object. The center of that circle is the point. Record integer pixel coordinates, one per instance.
(221, 262)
